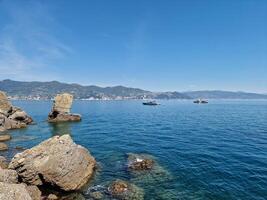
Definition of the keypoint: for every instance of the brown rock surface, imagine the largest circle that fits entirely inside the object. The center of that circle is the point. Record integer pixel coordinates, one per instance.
(14, 192)
(57, 161)
(34, 192)
(3, 146)
(139, 162)
(8, 176)
(3, 162)
(5, 105)
(4, 137)
(12, 117)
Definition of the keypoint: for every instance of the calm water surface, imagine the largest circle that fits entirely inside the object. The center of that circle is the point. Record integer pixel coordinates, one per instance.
(213, 151)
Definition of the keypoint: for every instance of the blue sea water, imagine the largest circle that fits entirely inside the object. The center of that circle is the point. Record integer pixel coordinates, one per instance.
(213, 151)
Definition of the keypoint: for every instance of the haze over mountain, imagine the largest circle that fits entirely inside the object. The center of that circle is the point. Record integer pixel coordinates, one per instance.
(47, 90)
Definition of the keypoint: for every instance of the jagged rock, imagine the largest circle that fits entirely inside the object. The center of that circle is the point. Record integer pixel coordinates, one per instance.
(139, 162)
(125, 191)
(8, 176)
(34, 192)
(61, 109)
(14, 192)
(3, 162)
(12, 117)
(4, 137)
(57, 161)
(5, 105)
(3, 146)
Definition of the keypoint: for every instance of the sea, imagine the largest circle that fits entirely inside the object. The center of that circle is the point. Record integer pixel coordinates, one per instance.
(214, 151)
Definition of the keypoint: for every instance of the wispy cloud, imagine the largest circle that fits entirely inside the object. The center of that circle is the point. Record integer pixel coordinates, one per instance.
(27, 42)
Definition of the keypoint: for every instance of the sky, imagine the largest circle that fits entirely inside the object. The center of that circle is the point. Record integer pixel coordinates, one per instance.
(158, 45)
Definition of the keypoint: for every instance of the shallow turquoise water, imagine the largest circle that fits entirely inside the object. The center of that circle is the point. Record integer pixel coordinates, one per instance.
(213, 151)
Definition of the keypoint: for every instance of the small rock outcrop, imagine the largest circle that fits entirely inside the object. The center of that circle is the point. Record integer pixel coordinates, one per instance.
(12, 117)
(61, 109)
(57, 161)
(125, 191)
(139, 162)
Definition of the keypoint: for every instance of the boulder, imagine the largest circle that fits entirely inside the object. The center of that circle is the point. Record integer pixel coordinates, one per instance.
(8, 176)
(5, 105)
(4, 137)
(10, 191)
(57, 161)
(3, 162)
(61, 109)
(12, 117)
(3, 146)
(52, 197)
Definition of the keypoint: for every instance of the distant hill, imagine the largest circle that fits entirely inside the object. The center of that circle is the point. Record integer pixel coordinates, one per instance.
(47, 90)
(217, 94)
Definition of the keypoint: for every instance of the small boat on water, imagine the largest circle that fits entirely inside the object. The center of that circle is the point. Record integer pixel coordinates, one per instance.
(200, 101)
(151, 103)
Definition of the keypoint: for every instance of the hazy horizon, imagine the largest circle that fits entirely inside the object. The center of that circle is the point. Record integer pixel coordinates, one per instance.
(153, 45)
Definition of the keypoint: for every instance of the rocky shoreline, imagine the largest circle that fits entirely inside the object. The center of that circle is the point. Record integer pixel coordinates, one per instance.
(58, 168)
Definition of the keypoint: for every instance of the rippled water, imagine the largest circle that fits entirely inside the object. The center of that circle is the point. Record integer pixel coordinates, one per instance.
(213, 151)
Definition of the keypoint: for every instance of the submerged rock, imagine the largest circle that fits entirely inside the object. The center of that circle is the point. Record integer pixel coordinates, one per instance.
(10, 191)
(61, 109)
(139, 162)
(125, 191)
(153, 173)
(12, 117)
(57, 161)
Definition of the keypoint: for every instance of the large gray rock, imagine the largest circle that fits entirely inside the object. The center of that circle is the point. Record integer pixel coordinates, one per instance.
(57, 161)
(61, 109)
(10, 191)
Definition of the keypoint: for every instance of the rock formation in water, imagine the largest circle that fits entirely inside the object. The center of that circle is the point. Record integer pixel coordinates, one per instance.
(139, 162)
(57, 161)
(61, 109)
(12, 117)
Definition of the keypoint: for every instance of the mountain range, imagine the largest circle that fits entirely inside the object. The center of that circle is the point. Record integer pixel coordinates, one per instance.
(47, 90)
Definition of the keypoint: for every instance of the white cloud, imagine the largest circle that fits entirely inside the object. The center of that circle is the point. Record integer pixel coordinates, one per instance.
(27, 43)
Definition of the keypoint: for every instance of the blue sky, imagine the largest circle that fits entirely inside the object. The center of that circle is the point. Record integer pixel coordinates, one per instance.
(159, 45)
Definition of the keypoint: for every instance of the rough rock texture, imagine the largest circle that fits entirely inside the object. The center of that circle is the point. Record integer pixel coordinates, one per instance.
(139, 162)
(3, 162)
(12, 117)
(4, 137)
(8, 176)
(63, 102)
(61, 109)
(14, 192)
(125, 191)
(57, 161)
(52, 197)
(3, 146)
(5, 105)
(34, 192)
